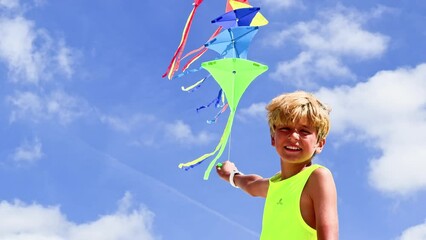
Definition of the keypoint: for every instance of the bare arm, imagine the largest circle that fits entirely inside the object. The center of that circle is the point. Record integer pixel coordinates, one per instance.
(252, 184)
(324, 197)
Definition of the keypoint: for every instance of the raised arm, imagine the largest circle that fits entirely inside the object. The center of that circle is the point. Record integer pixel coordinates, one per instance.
(252, 184)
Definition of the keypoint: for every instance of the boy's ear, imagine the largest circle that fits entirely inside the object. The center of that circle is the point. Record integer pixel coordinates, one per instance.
(272, 141)
(320, 145)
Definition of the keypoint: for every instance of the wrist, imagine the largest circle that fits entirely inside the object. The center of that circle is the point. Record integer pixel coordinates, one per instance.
(232, 176)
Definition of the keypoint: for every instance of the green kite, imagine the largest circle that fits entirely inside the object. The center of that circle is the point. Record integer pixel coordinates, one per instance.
(233, 75)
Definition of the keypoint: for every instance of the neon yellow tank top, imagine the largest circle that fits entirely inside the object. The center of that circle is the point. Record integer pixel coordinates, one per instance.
(281, 216)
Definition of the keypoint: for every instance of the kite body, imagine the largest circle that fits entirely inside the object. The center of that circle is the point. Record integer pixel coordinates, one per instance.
(234, 75)
(233, 42)
(240, 17)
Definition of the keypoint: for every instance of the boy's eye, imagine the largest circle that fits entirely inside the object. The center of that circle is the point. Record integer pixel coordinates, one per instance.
(284, 129)
(302, 132)
(305, 132)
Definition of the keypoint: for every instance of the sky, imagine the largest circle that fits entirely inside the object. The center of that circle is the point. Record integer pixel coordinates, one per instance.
(91, 134)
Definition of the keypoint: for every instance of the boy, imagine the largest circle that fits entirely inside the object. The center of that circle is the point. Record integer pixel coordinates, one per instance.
(301, 199)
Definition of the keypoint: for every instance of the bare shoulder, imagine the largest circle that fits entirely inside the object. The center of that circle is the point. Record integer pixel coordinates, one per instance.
(321, 182)
(322, 174)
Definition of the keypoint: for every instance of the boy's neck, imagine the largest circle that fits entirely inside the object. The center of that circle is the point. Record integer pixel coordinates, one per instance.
(290, 169)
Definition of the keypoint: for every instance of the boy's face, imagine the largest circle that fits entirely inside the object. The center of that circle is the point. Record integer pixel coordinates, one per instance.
(297, 143)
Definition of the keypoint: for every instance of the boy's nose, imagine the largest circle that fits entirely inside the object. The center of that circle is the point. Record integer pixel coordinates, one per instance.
(294, 135)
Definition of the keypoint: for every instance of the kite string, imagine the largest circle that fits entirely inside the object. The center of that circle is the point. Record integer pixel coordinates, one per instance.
(230, 134)
(229, 147)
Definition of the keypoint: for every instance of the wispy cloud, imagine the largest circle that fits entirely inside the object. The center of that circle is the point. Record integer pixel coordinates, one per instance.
(388, 110)
(65, 58)
(325, 44)
(30, 54)
(182, 133)
(141, 129)
(9, 4)
(276, 5)
(255, 110)
(34, 221)
(57, 105)
(147, 129)
(128, 124)
(28, 152)
(32, 57)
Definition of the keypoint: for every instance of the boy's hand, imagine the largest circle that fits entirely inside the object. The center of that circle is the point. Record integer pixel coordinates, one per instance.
(252, 184)
(224, 169)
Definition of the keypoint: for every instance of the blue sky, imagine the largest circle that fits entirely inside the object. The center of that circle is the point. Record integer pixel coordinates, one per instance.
(92, 135)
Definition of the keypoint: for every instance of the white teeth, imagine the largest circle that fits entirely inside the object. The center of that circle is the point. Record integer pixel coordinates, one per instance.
(292, 148)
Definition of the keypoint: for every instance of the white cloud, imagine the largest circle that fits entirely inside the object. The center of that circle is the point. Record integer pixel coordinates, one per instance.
(182, 133)
(390, 112)
(307, 66)
(414, 233)
(28, 152)
(325, 43)
(58, 105)
(21, 221)
(16, 49)
(256, 110)
(29, 53)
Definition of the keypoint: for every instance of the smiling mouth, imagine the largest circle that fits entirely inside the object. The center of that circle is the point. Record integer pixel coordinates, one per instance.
(292, 148)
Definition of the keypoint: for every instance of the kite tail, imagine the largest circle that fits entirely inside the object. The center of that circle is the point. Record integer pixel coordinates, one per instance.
(193, 52)
(216, 101)
(194, 86)
(223, 141)
(203, 49)
(214, 120)
(219, 148)
(195, 58)
(174, 64)
(194, 70)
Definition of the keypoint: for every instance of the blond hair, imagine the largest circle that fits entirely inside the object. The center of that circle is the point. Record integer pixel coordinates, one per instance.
(290, 108)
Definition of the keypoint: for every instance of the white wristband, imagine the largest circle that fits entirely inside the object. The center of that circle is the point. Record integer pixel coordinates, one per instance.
(231, 178)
